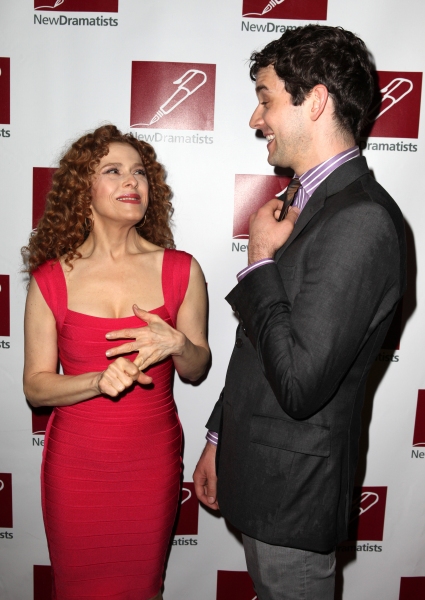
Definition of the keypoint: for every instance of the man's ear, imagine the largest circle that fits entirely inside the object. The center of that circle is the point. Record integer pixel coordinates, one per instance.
(318, 98)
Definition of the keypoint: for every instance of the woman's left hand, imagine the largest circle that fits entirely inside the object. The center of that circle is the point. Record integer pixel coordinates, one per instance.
(154, 342)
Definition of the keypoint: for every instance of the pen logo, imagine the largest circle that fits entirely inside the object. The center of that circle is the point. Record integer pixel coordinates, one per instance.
(412, 588)
(419, 431)
(285, 9)
(172, 95)
(396, 106)
(252, 192)
(6, 512)
(4, 305)
(235, 585)
(5, 91)
(77, 5)
(42, 582)
(188, 512)
(368, 514)
(41, 185)
(40, 418)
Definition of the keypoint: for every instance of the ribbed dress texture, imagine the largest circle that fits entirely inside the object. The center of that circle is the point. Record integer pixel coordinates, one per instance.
(111, 467)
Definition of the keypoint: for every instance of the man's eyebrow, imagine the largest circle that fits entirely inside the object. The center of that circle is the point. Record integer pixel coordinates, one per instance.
(261, 87)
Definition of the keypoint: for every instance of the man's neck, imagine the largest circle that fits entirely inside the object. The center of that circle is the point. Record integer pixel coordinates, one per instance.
(322, 145)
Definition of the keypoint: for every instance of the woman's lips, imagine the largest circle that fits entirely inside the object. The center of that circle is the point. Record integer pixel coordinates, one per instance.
(130, 199)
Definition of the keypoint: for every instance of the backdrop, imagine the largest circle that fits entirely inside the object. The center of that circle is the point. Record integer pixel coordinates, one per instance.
(175, 73)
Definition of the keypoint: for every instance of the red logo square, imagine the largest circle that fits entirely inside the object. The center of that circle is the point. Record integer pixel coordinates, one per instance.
(412, 588)
(368, 514)
(5, 91)
(309, 10)
(188, 513)
(77, 5)
(419, 433)
(171, 95)
(392, 339)
(42, 582)
(41, 186)
(252, 192)
(4, 305)
(395, 109)
(235, 585)
(40, 418)
(6, 513)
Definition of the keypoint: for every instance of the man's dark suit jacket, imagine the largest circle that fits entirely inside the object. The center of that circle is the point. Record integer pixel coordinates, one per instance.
(310, 328)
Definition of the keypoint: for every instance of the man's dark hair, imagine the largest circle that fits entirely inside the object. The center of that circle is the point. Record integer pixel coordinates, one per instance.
(306, 56)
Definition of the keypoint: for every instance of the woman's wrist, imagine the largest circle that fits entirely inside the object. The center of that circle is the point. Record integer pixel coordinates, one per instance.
(96, 382)
(180, 344)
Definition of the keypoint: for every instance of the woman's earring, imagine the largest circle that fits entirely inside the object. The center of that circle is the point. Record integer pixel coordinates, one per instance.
(88, 224)
(143, 222)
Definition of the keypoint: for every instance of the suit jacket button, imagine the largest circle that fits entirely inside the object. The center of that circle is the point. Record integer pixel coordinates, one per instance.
(239, 343)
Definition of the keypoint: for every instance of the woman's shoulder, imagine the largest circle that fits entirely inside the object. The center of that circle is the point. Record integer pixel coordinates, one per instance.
(178, 257)
(46, 269)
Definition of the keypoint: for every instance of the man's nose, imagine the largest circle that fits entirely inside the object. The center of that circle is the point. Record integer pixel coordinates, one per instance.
(256, 121)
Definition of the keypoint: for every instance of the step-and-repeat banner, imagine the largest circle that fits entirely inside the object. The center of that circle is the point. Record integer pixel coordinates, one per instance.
(176, 75)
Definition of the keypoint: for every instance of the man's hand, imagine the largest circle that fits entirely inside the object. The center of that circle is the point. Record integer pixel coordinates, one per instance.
(205, 477)
(266, 234)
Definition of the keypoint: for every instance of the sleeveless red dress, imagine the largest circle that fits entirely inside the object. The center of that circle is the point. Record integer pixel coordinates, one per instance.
(111, 467)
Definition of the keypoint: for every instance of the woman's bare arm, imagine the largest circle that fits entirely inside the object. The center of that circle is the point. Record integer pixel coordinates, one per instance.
(43, 386)
(194, 354)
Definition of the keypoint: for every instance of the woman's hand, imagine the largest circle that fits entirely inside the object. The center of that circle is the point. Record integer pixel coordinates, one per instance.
(120, 375)
(154, 342)
(187, 344)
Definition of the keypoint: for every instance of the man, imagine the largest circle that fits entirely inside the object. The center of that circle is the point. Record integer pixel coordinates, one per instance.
(314, 306)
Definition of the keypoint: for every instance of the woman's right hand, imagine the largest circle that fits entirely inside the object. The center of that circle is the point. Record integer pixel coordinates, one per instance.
(120, 375)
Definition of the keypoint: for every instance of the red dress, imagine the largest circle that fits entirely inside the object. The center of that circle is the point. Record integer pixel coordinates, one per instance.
(111, 467)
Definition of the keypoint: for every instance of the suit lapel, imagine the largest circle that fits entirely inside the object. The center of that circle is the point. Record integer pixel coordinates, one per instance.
(337, 181)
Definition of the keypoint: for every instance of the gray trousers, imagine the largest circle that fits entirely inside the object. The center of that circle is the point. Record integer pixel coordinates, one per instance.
(281, 573)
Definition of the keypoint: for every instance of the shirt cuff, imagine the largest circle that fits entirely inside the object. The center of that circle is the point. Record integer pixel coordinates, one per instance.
(259, 263)
(212, 437)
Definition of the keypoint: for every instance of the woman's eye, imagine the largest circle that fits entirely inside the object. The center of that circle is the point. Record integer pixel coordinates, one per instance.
(141, 172)
(112, 170)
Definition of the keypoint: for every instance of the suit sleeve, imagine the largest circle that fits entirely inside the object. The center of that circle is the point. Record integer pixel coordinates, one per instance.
(350, 283)
(214, 422)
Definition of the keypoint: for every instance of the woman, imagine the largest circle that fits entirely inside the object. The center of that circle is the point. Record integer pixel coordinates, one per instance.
(111, 463)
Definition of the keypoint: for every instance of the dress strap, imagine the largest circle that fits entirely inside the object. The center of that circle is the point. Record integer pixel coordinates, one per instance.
(51, 281)
(175, 279)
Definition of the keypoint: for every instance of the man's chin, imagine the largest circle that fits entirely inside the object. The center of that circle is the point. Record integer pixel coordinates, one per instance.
(273, 160)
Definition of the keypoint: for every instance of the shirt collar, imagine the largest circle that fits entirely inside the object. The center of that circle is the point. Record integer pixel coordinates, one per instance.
(311, 179)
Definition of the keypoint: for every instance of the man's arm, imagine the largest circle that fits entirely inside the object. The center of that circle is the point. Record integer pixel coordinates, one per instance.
(205, 477)
(349, 283)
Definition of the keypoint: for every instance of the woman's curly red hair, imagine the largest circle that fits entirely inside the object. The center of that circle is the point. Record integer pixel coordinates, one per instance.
(66, 221)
